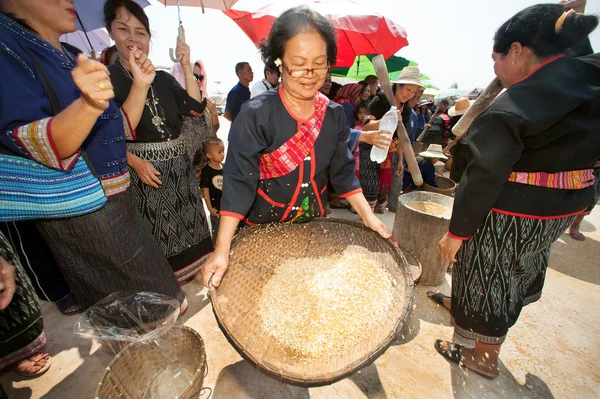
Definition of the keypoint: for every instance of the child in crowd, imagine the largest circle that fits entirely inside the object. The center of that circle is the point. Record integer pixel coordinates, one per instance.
(360, 115)
(211, 180)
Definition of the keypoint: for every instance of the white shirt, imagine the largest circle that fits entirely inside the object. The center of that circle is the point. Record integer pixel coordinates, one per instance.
(260, 87)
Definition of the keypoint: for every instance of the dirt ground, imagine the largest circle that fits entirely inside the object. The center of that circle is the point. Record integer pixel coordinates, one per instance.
(550, 353)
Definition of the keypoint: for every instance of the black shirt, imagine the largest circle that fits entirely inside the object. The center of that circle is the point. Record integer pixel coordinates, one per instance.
(213, 180)
(547, 122)
(173, 103)
(236, 97)
(378, 106)
(263, 126)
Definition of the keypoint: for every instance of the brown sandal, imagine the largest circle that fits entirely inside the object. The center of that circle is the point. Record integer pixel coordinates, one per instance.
(26, 370)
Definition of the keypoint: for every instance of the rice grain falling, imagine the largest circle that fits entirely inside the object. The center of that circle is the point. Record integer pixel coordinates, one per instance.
(431, 208)
(327, 305)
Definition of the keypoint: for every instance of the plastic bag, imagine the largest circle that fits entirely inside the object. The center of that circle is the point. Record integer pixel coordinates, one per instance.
(128, 317)
(142, 319)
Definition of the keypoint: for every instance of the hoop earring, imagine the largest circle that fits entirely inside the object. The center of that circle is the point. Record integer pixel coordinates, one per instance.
(515, 62)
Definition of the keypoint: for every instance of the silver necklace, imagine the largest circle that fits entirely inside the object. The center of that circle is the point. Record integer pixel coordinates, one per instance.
(152, 104)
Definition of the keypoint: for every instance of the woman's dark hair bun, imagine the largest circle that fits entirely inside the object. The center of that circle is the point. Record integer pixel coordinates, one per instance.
(576, 28)
(535, 27)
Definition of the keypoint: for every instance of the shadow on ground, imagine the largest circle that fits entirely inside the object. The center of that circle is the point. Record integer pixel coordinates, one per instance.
(241, 381)
(469, 385)
(577, 259)
(368, 381)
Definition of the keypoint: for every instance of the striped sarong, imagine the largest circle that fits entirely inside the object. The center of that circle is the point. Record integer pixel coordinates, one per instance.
(107, 251)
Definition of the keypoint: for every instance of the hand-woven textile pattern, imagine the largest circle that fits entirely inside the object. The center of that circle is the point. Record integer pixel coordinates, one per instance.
(174, 211)
(499, 270)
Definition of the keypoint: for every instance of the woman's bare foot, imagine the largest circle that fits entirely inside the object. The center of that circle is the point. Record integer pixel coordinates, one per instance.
(573, 230)
(576, 234)
(480, 364)
(33, 366)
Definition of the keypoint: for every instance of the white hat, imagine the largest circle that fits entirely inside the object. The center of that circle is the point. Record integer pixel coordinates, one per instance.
(410, 75)
(461, 106)
(433, 151)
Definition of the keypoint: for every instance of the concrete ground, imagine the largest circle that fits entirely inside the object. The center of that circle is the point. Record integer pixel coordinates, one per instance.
(550, 353)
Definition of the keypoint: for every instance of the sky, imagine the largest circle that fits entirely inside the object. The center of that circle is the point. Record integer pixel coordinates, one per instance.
(450, 40)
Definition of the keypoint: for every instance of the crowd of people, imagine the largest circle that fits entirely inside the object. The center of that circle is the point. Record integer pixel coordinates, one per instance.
(297, 142)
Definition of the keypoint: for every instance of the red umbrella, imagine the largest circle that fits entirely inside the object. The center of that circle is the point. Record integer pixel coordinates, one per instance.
(360, 31)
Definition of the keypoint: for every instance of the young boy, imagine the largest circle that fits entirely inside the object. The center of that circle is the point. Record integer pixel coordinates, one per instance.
(211, 180)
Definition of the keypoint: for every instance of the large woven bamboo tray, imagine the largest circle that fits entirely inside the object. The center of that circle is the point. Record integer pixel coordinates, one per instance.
(255, 254)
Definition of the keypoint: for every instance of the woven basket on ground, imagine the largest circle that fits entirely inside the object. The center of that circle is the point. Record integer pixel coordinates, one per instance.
(142, 368)
(445, 186)
(256, 252)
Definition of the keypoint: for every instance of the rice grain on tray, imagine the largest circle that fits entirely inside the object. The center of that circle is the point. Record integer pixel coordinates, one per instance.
(324, 306)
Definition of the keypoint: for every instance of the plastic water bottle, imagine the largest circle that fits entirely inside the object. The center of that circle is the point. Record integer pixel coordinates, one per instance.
(389, 122)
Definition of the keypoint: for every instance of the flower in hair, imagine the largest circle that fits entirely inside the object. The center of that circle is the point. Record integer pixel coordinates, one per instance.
(278, 62)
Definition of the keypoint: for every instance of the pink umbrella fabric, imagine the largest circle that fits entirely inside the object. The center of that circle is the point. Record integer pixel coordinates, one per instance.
(360, 31)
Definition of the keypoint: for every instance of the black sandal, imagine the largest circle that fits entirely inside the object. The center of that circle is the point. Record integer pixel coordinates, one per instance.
(451, 351)
(67, 303)
(437, 297)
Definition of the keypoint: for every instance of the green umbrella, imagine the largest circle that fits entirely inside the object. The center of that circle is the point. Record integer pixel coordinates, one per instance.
(363, 67)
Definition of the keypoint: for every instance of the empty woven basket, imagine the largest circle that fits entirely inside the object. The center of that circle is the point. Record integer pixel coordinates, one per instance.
(144, 370)
(258, 251)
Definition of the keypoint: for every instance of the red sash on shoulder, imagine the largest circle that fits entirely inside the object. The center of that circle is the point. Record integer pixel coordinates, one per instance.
(286, 158)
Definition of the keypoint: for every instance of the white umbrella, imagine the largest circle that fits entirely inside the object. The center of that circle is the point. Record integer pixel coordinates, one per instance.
(97, 38)
(215, 4)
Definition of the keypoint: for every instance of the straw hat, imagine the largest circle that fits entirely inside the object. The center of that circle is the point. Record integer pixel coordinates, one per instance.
(426, 102)
(461, 106)
(433, 151)
(410, 75)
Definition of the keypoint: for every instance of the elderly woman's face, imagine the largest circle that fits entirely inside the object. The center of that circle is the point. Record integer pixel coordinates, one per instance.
(56, 16)
(305, 64)
(127, 31)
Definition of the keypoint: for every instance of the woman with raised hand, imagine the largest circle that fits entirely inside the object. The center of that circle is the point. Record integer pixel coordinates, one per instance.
(164, 184)
(196, 129)
(107, 250)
